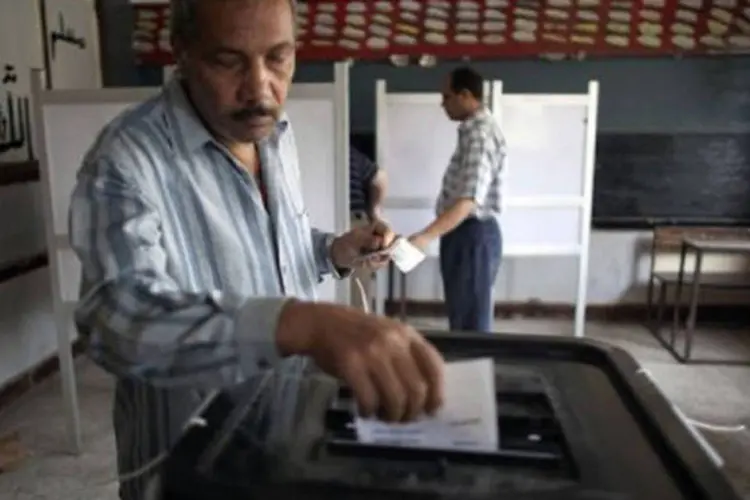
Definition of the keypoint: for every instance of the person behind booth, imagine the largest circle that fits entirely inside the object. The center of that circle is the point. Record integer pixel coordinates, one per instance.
(367, 184)
(468, 207)
(199, 265)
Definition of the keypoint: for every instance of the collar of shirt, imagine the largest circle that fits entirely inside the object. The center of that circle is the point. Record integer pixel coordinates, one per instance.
(480, 114)
(189, 133)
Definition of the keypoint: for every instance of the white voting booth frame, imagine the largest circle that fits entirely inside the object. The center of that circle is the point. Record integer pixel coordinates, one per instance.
(66, 123)
(547, 182)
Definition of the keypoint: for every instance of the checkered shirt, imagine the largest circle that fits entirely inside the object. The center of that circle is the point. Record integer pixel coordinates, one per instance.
(474, 169)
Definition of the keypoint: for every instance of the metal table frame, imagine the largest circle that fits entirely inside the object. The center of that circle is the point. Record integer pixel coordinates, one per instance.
(699, 246)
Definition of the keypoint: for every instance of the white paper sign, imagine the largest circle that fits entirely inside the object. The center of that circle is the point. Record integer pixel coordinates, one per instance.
(467, 421)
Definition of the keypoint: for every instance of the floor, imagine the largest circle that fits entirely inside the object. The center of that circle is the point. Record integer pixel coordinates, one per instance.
(718, 394)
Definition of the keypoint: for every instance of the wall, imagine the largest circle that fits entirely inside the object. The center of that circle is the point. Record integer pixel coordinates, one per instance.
(637, 95)
(27, 334)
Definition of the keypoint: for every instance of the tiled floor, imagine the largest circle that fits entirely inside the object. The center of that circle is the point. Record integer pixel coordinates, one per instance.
(712, 393)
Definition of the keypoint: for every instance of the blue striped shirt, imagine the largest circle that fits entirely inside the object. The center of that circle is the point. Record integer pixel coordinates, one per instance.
(185, 271)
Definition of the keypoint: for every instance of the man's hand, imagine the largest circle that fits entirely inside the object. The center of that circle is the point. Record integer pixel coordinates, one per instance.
(349, 248)
(376, 214)
(393, 371)
(421, 240)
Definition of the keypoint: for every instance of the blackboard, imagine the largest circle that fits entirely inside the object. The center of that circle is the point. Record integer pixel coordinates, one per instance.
(647, 179)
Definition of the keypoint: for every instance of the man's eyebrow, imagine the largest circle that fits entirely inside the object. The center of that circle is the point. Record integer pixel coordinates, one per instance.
(236, 51)
(286, 44)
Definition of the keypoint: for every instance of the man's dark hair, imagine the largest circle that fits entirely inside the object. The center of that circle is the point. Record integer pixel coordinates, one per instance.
(466, 78)
(184, 23)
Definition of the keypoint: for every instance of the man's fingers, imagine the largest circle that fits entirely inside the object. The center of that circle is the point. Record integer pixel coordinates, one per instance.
(391, 393)
(388, 238)
(431, 364)
(384, 232)
(380, 227)
(414, 385)
(377, 261)
(365, 392)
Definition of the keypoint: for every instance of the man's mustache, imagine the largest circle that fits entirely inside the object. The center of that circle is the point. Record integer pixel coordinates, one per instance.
(253, 111)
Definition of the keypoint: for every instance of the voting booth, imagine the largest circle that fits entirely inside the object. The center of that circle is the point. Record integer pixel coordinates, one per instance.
(547, 181)
(552, 442)
(66, 123)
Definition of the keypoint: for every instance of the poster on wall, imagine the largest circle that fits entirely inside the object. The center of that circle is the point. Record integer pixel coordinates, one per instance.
(72, 40)
(18, 21)
(377, 29)
(21, 222)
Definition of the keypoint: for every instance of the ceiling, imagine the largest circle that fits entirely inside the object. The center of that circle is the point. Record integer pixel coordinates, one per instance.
(379, 29)
(501, 28)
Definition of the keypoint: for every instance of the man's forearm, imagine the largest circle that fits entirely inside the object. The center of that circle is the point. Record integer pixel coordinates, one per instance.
(376, 195)
(298, 323)
(450, 219)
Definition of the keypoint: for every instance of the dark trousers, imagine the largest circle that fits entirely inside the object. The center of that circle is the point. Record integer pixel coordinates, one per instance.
(469, 262)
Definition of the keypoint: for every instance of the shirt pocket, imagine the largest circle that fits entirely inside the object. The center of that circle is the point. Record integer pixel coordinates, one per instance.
(296, 200)
(295, 203)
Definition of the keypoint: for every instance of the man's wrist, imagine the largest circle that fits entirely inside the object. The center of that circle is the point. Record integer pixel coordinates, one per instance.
(296, 328)
(375, 213)
(334, 251)
(337, 255)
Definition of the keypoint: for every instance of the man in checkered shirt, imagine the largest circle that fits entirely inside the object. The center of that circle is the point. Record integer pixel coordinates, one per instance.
(468, 207)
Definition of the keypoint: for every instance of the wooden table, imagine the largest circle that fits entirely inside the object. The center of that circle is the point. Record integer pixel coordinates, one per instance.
(700, 247)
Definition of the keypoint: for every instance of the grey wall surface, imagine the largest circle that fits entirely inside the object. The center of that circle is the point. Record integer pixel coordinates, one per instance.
(637, 95)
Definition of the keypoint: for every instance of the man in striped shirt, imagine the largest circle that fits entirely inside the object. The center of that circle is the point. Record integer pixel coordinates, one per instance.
(199, 264)
(367, 185)
(468, 208)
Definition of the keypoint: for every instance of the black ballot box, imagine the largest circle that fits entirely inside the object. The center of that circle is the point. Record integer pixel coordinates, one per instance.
(577, 420)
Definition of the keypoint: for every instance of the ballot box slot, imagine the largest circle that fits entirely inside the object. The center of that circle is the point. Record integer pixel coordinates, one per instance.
(530, 432)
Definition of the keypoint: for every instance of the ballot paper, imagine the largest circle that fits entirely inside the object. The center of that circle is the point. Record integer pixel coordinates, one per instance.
(467, 421)
(405, 255)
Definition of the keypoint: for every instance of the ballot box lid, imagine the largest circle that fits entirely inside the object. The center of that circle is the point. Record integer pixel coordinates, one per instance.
(577, 419)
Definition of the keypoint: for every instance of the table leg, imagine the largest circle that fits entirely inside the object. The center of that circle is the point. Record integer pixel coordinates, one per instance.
(678, 297)
(693, 308)
(372, 291)
(660, 307)
(650, 299)
(386, 284)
